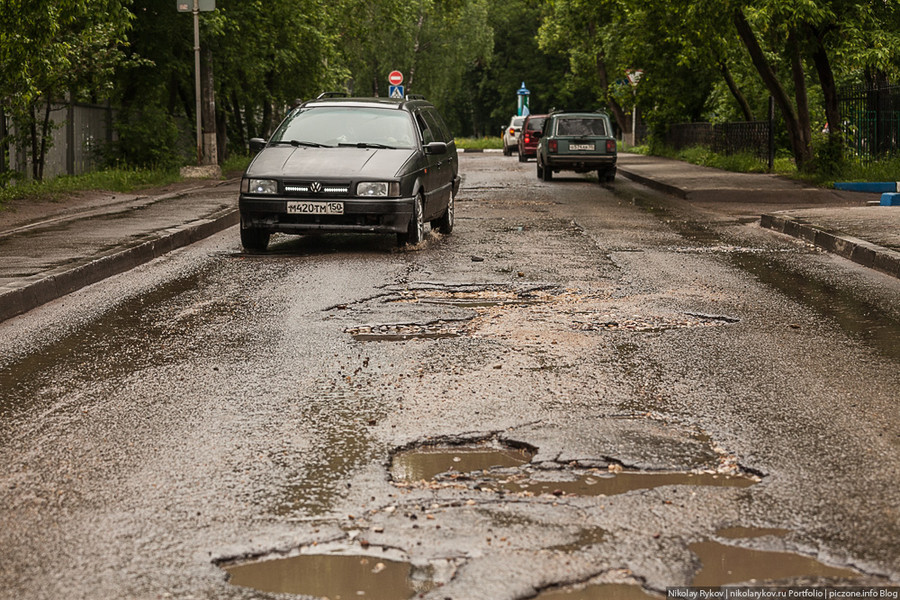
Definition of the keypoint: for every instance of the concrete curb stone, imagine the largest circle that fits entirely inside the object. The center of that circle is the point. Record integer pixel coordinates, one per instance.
(56, 285)
(859, 251)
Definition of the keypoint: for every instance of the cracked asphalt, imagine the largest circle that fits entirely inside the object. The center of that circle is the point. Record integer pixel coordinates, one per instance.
(214, 407)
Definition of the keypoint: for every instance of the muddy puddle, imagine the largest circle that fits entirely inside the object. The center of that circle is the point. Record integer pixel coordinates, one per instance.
(725, 564)
(504, 470)
(332, 576)
(427, 462)
(600, 591)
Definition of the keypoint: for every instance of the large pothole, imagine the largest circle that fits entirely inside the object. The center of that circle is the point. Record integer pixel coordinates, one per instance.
(507, 469)
(334, 576)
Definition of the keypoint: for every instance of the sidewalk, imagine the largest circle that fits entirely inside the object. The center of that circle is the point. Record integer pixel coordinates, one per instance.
(841, 222)
(50, 249)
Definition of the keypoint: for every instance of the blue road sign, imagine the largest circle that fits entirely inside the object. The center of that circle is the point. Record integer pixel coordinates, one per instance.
(395, 91)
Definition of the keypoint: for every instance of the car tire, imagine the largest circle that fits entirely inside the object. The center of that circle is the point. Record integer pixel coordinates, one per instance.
(444, 223)
(506, 151)
(522, 157)
(540, 169)
(415, 231)
(253, 238)
(546, 173)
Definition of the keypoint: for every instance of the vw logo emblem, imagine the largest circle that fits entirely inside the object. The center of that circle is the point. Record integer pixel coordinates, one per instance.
(315, 187)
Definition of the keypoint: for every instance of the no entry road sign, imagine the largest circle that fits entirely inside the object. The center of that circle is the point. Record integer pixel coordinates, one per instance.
(395, 78)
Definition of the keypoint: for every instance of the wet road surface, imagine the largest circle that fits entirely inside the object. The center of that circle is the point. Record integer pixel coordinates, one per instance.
(584, 391)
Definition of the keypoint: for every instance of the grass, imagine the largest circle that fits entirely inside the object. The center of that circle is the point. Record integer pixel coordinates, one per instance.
(120, 179)
(485, 143)
(115, 180)
(852, 170)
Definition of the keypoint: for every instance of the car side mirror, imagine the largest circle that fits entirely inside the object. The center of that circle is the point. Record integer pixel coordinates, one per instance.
(257, 144)
(436, 148)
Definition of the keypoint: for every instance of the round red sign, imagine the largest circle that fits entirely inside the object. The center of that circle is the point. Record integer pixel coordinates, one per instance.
(395, 78)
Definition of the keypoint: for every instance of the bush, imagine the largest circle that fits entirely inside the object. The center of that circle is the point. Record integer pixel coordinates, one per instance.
(147, 138)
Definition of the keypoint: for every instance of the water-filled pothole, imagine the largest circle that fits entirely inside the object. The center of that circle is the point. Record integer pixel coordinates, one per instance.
(334, 576)
(597, 483)
(724, 564)
(399, 332)
(598, 591)
(506, 470)
(427, 462)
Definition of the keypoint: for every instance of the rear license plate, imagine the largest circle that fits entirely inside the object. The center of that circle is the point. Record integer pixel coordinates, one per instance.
(315, 208)
(581, 146)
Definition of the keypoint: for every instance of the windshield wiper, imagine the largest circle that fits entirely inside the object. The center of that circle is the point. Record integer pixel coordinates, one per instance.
(301, 143)
(370, 145)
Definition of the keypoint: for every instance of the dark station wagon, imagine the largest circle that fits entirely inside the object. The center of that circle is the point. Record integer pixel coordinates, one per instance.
(577, 141)
(340, 164)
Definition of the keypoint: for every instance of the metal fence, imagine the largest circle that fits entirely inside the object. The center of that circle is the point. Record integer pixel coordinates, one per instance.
(79, 132)
(751, 137)
(870, 120)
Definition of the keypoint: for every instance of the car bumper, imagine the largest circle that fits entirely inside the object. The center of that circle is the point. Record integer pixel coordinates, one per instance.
(580, 162)
(361, 216)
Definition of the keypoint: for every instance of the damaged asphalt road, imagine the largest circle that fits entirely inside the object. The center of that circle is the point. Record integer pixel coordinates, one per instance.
(583, 389)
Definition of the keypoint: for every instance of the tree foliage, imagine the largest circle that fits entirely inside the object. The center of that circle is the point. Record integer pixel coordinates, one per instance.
(51, 50)
(701, 60)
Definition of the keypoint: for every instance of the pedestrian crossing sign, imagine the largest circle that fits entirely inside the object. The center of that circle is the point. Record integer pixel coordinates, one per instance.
(396, 91)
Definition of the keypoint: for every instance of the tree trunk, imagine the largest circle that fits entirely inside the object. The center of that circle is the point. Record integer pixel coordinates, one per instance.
(829, 89)
(238, 120)
(45, 133)
(32, 126)
(799, 76)
(736, 91)
(767, 73)
(208, 108)
(622, 120)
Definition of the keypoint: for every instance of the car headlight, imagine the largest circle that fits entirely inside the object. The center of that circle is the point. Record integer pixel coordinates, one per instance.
(262, 186)
(373, 189)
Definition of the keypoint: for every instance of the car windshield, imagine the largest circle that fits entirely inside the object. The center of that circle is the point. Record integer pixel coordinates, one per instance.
(517, 122)
(581, 126)
(535, 124)
(347, 126)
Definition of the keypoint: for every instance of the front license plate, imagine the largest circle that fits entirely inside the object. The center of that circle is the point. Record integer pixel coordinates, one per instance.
(315, 208)
(581, 146)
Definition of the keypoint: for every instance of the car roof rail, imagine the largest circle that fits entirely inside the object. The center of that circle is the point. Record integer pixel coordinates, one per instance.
(415, 96)
(332, 95)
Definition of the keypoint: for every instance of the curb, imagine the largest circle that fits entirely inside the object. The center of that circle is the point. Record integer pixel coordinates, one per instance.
(42, 291)
(653, 184)
(859, 251)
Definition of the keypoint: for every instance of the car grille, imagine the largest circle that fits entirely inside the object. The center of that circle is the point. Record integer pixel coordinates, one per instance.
(315, 188)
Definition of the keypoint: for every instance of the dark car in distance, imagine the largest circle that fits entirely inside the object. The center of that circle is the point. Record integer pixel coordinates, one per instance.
(577, 141)
(528, 141)
(341, 164)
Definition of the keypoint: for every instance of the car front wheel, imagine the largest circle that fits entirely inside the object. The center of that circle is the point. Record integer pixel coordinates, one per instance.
(415, 232)
(253, 238)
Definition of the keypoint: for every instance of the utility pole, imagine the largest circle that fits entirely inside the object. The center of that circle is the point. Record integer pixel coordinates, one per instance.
(207, 153)
(196, 12)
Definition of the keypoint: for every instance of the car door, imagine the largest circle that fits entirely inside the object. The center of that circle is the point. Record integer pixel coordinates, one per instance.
(436, 190)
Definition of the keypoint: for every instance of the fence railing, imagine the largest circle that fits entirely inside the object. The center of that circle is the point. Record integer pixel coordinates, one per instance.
(79, 132)
(870, 120)
(751, 137)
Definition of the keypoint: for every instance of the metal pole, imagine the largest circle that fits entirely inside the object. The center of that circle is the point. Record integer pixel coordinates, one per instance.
(771, 140)
(197, 80)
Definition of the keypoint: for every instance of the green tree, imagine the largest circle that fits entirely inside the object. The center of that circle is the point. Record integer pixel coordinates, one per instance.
(53, 50)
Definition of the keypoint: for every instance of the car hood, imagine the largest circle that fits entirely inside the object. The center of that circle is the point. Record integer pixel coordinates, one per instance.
(328, 163)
